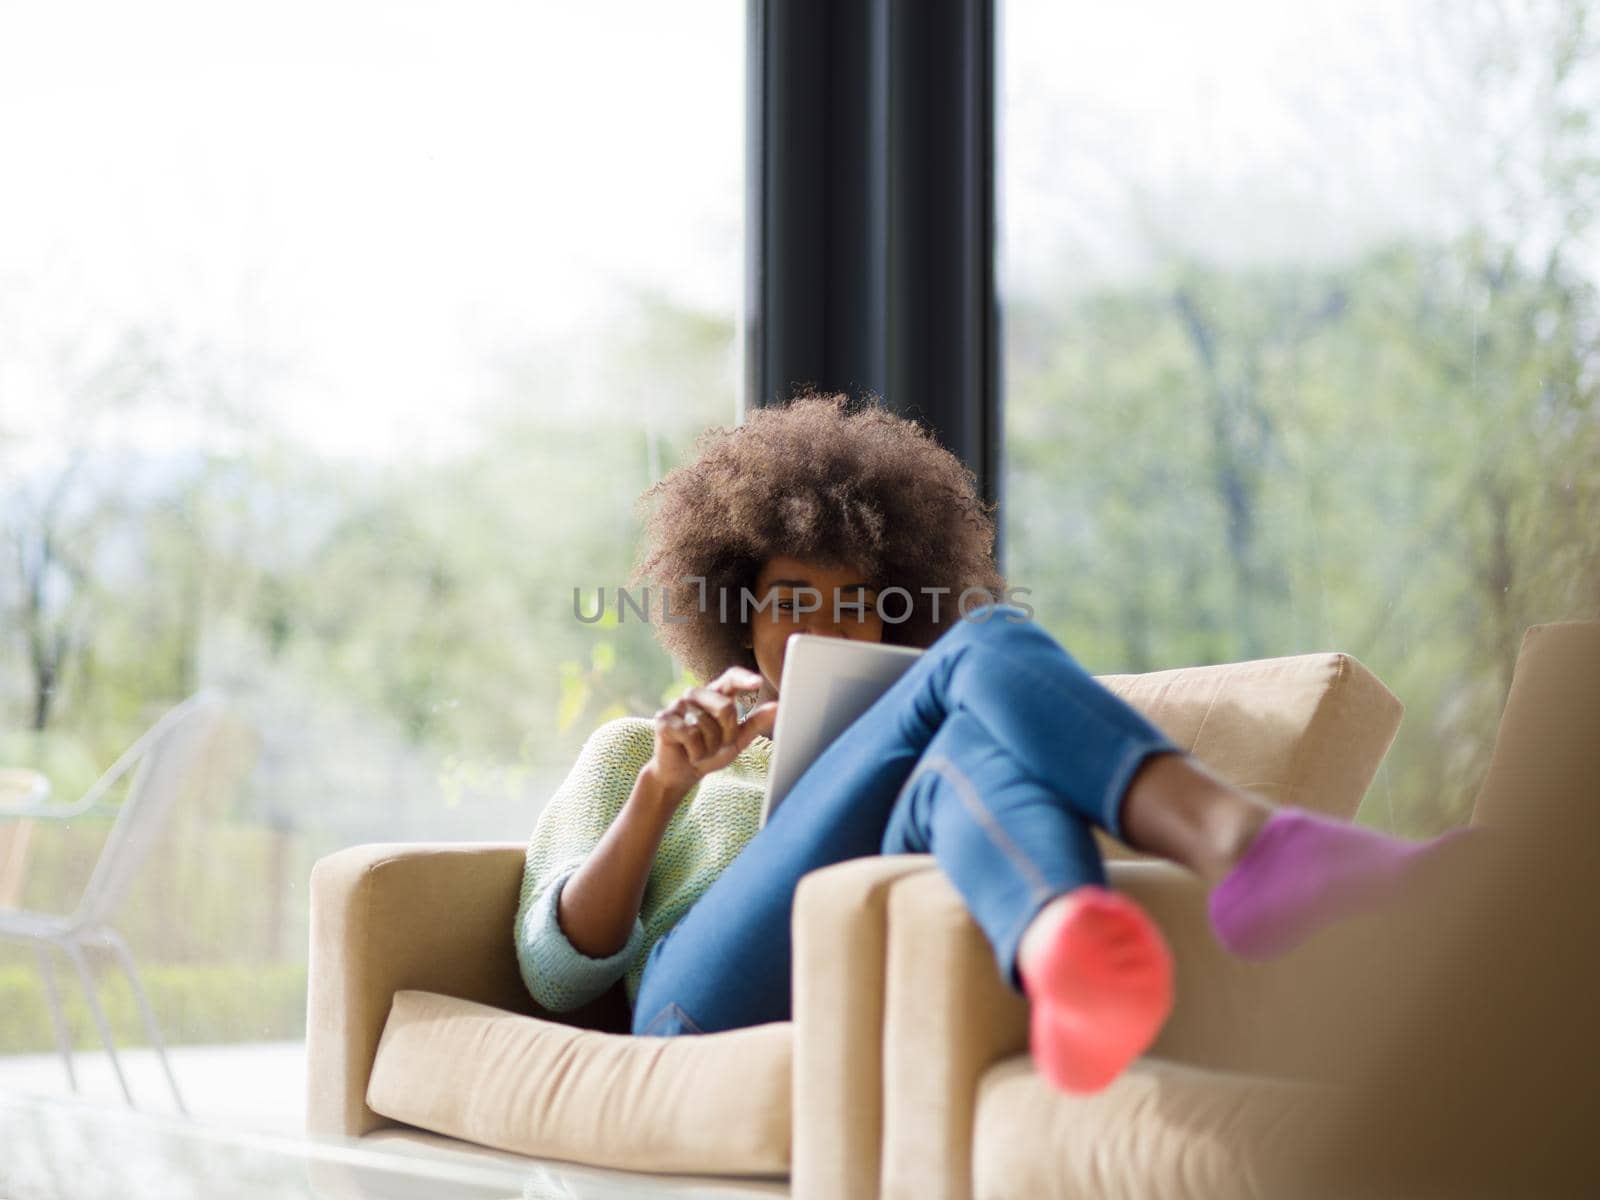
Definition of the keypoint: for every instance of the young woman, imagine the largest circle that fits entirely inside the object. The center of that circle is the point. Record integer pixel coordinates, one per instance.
(996, 752)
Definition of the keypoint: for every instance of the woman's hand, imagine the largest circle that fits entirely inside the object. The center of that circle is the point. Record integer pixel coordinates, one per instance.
(700, 732)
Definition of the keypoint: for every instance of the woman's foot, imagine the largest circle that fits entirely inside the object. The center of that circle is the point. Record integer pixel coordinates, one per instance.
(1302, 871)
(1099, 983)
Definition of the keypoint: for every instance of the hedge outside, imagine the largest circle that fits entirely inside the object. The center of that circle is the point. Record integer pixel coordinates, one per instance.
(193, 1003)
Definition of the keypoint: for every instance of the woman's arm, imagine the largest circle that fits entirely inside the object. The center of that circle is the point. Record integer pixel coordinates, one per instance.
(558, 975)
(600, 900)
(599, 834)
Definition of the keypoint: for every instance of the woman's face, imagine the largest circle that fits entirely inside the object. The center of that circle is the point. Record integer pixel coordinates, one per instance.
(781, 585)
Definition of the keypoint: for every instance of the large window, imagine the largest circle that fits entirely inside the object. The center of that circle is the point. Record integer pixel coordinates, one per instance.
(336, 342)
(1301, 344)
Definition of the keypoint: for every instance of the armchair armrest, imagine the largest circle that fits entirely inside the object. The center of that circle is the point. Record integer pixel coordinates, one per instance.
(948, 1015)
(386, 917)
(840, 925)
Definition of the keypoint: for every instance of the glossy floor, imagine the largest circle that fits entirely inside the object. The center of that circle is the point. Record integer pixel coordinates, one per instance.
(244, 1140)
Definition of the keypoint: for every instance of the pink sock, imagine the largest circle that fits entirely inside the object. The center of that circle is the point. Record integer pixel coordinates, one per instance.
(1303, 871)
(1099, 991)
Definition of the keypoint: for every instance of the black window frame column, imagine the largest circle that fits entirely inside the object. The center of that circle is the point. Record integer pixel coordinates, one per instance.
(870, 212)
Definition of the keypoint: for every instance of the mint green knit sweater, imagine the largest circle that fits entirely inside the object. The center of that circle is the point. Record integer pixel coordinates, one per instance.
(720, 814)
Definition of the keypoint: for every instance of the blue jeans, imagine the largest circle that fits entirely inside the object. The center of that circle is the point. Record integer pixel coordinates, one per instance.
(996, 752)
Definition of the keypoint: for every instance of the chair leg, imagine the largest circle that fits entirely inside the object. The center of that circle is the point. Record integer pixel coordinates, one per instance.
(81, 963)
(124, 956)
(58, 1018)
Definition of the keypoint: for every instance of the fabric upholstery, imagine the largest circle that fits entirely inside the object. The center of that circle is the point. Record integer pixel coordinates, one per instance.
(1484, 1077)
(390, 919)
(386, 918)
(1267, 1018)
(1310, 730)
(719, 1103)
(942, 989)
(840, 930)
(1230, 1016)
(1304, 729)
(1547, 742)
(1160, 1129)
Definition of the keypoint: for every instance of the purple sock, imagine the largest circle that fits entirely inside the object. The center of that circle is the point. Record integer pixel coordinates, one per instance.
(1303, 871)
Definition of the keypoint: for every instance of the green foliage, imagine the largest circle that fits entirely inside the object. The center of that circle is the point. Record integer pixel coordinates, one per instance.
(214, 887)
(1399, 458)
(193, 1003)
(424, 608)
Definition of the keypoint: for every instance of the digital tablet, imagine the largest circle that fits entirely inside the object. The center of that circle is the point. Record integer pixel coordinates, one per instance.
(827, 683)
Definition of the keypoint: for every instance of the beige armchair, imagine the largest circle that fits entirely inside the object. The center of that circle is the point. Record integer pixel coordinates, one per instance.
(419, 1025)
(421, 1031)
(1242, 1090)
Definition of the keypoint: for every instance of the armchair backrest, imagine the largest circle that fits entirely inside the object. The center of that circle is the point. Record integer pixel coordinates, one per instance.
(1546, 762)
(1305, 729)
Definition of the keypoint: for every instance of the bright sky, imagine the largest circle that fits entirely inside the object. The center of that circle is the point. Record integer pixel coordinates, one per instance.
(382, 200)
(383, 196)
(1244, 131)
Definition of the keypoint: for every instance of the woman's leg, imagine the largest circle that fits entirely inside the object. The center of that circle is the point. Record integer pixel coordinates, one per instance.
(1006, 841)
(1096, 971)
(1061, 751)
(1280, 873)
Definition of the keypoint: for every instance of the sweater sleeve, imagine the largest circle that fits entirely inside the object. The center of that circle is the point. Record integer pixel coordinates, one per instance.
(558, 975)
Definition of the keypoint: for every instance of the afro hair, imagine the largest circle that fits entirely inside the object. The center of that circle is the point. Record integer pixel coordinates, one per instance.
(822, 477)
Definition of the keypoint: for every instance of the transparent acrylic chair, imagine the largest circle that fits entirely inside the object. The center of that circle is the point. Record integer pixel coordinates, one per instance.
(19, 789)
(179, 755)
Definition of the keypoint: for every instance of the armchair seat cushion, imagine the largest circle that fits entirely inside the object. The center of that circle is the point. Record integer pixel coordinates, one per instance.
(1160, 1129)
(714, 1103)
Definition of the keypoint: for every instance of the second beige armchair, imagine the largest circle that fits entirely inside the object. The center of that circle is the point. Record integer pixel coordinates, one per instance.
(1241, 1095)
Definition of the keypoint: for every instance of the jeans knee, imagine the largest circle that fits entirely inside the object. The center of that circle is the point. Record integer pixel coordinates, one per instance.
(670, 1021)
(997, 623)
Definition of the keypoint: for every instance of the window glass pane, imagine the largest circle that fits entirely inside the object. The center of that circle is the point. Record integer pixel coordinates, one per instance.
(1300, 344)
(336, 342)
